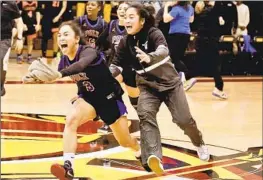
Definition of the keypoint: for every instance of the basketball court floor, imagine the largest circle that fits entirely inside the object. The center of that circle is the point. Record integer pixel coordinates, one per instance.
(33, 116)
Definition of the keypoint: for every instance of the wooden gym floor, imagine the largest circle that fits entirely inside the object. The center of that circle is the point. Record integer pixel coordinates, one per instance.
(32, 118)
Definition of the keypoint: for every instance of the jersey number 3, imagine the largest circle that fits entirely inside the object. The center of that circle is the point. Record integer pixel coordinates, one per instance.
(88, 86)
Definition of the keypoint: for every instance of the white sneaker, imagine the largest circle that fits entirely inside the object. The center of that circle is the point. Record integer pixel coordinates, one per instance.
(155, 164)
(189, 84)
(220, 94)
(182, 77)
(203, 153)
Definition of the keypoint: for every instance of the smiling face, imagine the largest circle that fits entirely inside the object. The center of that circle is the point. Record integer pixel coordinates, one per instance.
(121, 10)
(133, 23)
(92, 8)
(67, 40)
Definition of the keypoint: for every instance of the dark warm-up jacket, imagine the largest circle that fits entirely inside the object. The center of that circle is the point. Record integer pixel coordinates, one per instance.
(160, 73)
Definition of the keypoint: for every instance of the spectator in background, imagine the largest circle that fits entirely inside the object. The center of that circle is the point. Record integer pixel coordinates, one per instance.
(229, 14)
(243, 15)
(179, 36)
(9, 15)
(31, 19)
(243, 21)
(69, 14)
(164, 27)
(52, 12)
(207, 53)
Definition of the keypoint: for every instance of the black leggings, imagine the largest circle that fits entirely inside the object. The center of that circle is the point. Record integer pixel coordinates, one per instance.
(208, 59)
(44, 46)
(178, 43)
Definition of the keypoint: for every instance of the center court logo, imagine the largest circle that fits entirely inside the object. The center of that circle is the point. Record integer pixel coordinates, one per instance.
(31, 143)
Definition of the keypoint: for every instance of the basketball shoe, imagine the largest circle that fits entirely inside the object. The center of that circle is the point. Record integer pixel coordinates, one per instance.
(63, 172)
(203, 153)
(105, 129)
(220, 94)
(155, 164)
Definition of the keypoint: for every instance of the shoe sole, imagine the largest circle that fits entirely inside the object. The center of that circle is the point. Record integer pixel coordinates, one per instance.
(103, 131)
(154, 163)
(216, 95)
(58, 171)
(207, 159)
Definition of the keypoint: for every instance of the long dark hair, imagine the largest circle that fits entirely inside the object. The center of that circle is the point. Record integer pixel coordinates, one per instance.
(146, 13)
(77, 30)
(184, 4)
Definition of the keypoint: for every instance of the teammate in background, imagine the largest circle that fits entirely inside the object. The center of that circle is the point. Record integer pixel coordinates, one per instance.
(115, 32)
(92, 24)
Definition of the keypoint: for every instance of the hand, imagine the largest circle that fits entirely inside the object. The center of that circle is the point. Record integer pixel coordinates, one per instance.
(56, 19)
(37, 27)
(19, 45)
(221, 21)
(142, 55)
(30, 78)
(25, 28)
(43, 72)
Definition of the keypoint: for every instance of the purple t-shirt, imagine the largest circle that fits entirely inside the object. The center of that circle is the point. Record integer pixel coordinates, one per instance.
(180, 23)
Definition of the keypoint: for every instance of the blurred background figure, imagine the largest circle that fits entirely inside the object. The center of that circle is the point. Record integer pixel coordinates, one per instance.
(207, 53)
(51, 12)
(31, 19)
(180, 17)
(10, 16)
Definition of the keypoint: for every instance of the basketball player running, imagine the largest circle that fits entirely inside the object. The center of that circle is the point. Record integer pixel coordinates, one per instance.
(145, 50)
(98, 93)
(9, 13)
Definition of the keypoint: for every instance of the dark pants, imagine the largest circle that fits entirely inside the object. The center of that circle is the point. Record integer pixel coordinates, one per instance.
(208, 59)
(148, 105)
(178, 43)
(4, 46)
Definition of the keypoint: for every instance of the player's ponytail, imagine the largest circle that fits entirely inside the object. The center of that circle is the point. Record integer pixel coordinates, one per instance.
(145, 12)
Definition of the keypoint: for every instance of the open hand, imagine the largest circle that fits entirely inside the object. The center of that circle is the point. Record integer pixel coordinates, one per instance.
(143, 57)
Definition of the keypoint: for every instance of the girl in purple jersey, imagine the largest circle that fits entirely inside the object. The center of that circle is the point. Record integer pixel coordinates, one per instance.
(98, 93)
(116, 31)
(92, 24)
